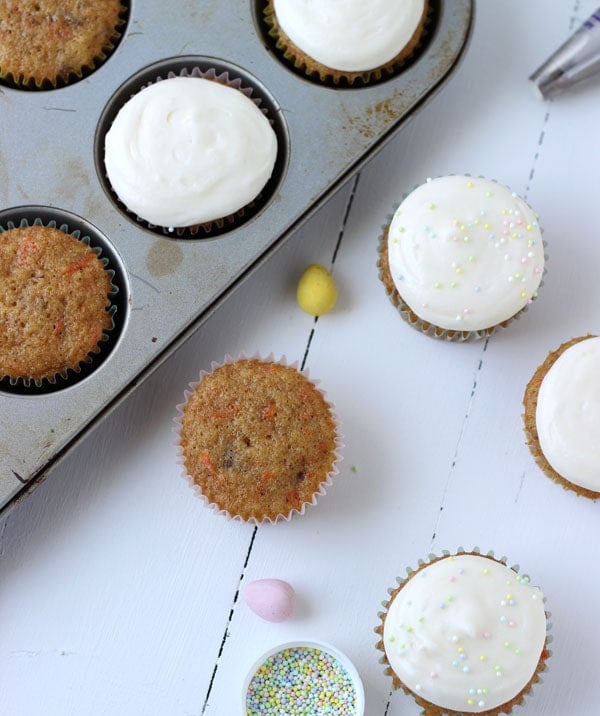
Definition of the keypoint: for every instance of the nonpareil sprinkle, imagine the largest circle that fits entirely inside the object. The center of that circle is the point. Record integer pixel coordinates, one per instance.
(301, 681)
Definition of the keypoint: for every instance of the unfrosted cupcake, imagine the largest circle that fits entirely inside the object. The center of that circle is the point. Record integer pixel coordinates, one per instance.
(353, 41)
(464, 634)
(461, 257)
(47, 43)
(562, 415)
(188, 150)
(258, 439)
(54, 303)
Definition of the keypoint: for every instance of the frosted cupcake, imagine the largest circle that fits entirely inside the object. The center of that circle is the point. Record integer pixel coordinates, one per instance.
(464, 634)
(258, 439)
(562, 416)
(46, 43)
(351, 41)
(54, 303)
(461, 257)
(188, 150)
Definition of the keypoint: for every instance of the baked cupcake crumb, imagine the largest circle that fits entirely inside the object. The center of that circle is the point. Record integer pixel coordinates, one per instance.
(258, 438)
(46, 43)
(54, 300)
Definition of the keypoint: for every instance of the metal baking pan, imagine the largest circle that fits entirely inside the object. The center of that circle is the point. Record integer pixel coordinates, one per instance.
(51, 163)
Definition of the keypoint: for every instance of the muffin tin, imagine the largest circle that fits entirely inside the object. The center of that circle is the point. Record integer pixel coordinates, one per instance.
(169, 282)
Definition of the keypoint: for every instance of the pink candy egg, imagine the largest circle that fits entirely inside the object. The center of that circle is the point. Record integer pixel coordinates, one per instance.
(271, 599)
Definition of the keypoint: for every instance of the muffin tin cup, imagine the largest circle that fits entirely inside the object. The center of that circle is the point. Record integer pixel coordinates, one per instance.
(416, 321)
(83, 231)
(313, 71)
(322, 490)
(215, 70)
(429, 708)
(342, 664)
(171, 286)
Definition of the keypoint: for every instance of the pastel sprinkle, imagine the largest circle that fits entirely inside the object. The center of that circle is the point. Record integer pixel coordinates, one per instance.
(303, 681)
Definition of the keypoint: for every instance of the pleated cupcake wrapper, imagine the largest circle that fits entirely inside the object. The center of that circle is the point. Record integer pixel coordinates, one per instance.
(339, 441)
(425, 327)
(340, 78)
(430, 709)
(529, 422)
(65, 374)
(206, 227)
(19, 81)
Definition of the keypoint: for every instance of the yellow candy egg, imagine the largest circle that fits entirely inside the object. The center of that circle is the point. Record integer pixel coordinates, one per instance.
(316, 292)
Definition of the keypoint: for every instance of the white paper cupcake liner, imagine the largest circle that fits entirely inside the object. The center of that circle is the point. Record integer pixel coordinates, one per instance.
(322, 489)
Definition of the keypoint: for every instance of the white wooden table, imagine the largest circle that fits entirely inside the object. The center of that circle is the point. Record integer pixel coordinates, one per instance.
(119, 589)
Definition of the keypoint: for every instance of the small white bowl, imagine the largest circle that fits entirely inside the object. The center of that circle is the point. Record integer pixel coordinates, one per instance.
(344, 661)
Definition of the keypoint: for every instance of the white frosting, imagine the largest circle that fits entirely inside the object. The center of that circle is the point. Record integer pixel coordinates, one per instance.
(350, 35)
(465, 253)
(466, 633)
(187, 150)
(568, 414)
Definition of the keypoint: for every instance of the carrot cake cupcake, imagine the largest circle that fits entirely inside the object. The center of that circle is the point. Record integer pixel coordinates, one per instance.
(352, 40)
(54, 301)
(461, 257)
(464, 634)
(46, 42)
(258, 439)
(189, 150)
(562, 415)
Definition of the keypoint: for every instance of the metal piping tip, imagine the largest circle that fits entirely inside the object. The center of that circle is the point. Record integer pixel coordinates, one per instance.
(576, 60)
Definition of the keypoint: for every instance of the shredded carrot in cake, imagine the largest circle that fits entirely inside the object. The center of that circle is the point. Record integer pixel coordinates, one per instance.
(58, 327)
(294, 499)
(205, 460)
(269, 411)
(229, 412)
(80, 263)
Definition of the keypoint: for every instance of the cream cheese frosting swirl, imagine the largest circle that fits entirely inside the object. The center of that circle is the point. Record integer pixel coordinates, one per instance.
(465, 253)
(465, 633)
(350, 35)
(188, 150)
(568, 414)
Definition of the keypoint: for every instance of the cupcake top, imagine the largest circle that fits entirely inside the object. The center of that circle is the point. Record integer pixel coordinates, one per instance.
(54, 295)
(465, 253)
(187, 151)
(465, 632)
(51, 40)
(258, 438)
(350, 36)
(568, 414)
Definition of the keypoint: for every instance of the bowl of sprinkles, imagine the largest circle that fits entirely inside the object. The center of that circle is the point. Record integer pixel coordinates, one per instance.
(304, 678)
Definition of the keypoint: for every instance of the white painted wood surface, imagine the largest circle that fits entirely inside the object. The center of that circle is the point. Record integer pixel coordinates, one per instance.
(118, 588)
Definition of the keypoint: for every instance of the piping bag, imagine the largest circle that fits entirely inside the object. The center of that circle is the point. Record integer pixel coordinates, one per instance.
(576, 60)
